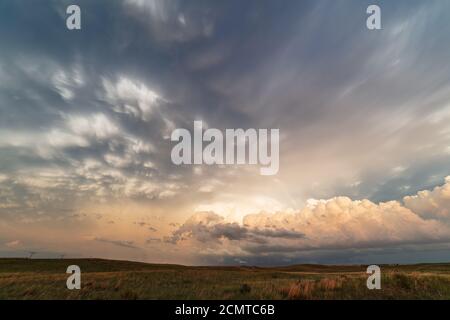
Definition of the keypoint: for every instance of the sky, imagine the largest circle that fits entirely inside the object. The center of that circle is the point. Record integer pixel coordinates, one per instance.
(86, 118)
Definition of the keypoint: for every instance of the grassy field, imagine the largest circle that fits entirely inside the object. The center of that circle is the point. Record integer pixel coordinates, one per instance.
(105, 279)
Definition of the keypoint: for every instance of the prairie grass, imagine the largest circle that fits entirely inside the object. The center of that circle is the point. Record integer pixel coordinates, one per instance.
(103, 279)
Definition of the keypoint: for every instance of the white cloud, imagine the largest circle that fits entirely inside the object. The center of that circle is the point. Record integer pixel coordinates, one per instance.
(166, 20)
(131, 97)
(97, 125)
(58, 138)
(157, 9)
(343, 222)
(66, 81)
(77, 131)
(434, 204)
(13, 244)
(118, 161)
(337, 223)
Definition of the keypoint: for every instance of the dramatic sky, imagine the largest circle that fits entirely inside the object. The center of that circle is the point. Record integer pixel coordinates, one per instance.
(364, 119)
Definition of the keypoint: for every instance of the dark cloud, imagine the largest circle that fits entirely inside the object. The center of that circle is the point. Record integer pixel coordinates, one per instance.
(210, 228)
(120, 243)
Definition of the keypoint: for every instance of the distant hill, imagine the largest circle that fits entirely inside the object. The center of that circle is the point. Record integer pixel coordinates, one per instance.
(105, 265)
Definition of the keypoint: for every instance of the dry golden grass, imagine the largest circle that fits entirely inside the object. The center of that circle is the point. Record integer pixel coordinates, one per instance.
(126, 280)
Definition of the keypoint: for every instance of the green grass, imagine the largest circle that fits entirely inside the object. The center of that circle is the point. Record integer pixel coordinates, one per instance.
(105, 279)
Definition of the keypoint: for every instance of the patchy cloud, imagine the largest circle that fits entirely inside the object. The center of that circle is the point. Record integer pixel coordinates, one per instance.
(131, 98)
(13, 244)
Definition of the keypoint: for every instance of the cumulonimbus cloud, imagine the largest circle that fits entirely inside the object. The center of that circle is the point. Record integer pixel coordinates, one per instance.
(337, 223)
